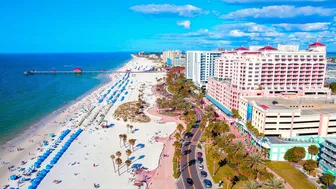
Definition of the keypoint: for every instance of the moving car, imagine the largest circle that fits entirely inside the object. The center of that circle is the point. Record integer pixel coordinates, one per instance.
(204, 174)
(200, 166)
(207, 183)
(199, 154)
(199, 159)
(190, 181)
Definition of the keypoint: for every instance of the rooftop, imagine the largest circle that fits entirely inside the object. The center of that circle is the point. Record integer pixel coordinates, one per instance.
(276, 140)
(305, 105)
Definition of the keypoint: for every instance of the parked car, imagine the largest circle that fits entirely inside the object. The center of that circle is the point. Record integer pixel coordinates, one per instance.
(207, 183)
(204, 174)
(200, 160)
(199, 154)
(190, 181)
(200, 166)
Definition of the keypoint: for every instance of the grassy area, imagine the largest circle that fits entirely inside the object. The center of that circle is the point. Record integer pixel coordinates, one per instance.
(220, 173)
(291, 175)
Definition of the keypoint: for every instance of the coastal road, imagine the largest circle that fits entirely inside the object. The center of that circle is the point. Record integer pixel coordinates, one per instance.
(188, 161)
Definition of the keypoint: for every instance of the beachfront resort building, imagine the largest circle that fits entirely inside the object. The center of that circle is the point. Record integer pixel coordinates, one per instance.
(267, 72)
(170, 54)
(200, 66)
(327, 161)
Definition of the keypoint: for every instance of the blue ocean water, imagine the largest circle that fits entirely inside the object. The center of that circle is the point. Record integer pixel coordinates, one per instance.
(25, 99)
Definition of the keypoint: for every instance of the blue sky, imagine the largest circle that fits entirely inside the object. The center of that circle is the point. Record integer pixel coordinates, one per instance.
(155, 25)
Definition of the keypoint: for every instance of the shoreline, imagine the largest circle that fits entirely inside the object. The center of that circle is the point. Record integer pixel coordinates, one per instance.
(38, 123)
(95, 145)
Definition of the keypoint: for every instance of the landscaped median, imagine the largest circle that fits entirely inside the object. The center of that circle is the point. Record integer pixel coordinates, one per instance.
(291, 175)
(221, 173)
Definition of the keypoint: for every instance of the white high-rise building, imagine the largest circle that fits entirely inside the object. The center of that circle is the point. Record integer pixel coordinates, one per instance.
(200, 65)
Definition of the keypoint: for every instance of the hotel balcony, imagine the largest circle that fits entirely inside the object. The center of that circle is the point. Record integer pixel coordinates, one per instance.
(332, 167)
(328, 159)
(330, 153)
(325, 144)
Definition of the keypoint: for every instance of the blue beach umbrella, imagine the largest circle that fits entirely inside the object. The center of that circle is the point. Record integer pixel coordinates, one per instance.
(48, 167)
(31, 187)
(36, 165)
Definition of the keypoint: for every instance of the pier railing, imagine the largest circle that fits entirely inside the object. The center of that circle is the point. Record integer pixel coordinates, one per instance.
(86, 72)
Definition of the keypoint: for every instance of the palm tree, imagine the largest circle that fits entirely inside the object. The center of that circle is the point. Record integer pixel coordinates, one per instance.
(238, 146)
(120, 137)
(254, 161)
(118, 154)
(131, 127)
(124, 139)
(178, 155)
(128, 153)
(180, 127)
(128, 163)
(113, 157)
(118, 162)
(177, 136)
(228, 177)
(251, 184)
(313, 150)
(131, 142)
(127, 125)
(177, 145)
(216, 157)
(274, 183)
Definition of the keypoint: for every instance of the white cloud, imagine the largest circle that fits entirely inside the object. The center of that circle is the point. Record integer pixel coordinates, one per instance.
(183, 10)
(283, 11)
(238, 33)
(186, 24)
(260, 1)
(304, 27)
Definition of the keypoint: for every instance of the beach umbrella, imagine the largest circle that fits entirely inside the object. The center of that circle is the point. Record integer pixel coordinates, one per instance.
(136, 166)
(48, 167)
(31, 187)
(13, 177)
(37, 165)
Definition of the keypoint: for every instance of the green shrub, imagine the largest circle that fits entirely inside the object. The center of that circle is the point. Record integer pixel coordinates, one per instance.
(199, 146)
(319, 182)
(323, 187)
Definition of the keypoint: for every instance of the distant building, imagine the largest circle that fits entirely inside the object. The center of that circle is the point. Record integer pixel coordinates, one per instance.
(200, 65)
(177, 62)
(171, 54)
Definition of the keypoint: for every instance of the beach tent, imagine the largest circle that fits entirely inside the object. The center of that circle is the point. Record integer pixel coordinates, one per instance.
(136, 166)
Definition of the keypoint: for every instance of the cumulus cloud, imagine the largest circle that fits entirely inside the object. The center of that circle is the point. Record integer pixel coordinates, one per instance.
(282, 11)
(304, 27)
(238, 33)
(186, 24)
(183, 10)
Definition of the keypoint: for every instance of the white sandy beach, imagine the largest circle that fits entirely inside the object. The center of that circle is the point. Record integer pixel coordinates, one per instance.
(93, 146)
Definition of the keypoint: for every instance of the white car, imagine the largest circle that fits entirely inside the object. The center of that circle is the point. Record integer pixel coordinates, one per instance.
(200, 166)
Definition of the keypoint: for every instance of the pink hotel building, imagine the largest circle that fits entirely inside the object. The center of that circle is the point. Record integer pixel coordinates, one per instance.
(267, 71)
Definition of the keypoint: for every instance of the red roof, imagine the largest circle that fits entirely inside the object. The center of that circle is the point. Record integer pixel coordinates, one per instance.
(264, 106)
(242, 49)
(268, 48)
(78, 69)
(251, 52)
(317, 44)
